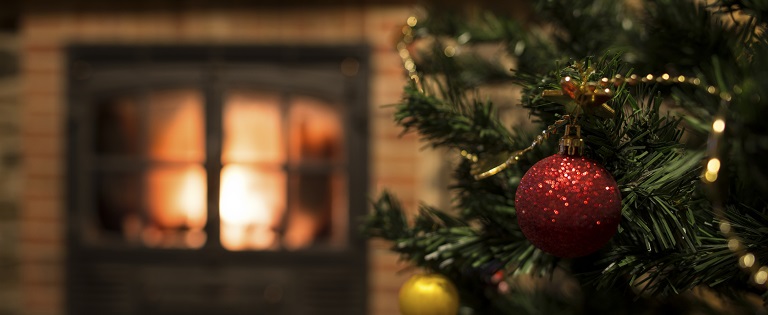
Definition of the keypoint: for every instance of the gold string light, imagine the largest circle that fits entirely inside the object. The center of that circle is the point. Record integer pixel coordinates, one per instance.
(746, 260)
(665, 78)
(758, 274)
(402, 49)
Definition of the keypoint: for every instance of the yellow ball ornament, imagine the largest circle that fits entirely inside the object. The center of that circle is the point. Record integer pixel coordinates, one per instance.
(429, 294)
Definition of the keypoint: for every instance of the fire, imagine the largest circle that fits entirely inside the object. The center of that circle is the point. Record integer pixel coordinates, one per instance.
(248, 208)
(191, 198)
(176, 188)
(252, 195)
(238, 207)
(176, 200)
(252, 198)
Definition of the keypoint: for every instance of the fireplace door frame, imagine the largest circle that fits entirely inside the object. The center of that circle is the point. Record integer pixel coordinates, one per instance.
(98, 70)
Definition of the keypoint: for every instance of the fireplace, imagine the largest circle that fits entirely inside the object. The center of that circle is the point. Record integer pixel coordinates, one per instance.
(216, 179)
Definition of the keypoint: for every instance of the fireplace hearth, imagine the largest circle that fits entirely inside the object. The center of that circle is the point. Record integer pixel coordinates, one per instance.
(216, 179)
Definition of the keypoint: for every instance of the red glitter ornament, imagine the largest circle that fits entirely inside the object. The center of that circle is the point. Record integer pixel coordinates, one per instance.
(568, 206)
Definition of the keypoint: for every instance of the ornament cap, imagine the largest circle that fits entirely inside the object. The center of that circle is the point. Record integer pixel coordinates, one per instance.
(572, 143)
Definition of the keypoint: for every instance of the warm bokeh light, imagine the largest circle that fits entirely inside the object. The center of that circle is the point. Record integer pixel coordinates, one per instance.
(710, 176)
(713, 165)
(251, 203)
(175, 192)
(252, 197)
(176, 129)
(238, 204)
(725, 227)
(761, 276)
(718, 125)
(176, 197)
(253, 129)
(734, 244)
(747, 260)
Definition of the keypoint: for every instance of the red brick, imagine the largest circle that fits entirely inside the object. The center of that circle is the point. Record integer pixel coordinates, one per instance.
(41, 232)
(42, 187)
(387, 62)
(50, 253)
(42, 83)
(43, 299)
(148, 26)
(32, 45)
(42, 125)
(33, 274)
(34, 145)
(396, 169)
(42, 104)
(385, 150)
(46, 25)
(43, 210)
(49, 166)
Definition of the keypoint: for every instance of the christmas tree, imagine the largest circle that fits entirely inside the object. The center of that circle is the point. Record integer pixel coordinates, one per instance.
(665, 97)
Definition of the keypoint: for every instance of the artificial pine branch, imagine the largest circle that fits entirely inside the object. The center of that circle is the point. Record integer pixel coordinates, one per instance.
(445, 124)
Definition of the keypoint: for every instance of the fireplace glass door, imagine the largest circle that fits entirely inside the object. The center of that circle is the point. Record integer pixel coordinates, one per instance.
(282, 182)
(148, 167)
(216, 159)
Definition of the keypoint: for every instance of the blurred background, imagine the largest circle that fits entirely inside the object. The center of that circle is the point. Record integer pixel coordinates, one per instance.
(194, 157)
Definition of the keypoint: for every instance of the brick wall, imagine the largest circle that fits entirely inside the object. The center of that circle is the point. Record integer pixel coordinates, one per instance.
(396, 162)
(9, 174)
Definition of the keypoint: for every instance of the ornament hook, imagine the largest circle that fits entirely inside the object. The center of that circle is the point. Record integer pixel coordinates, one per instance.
(571, 143)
